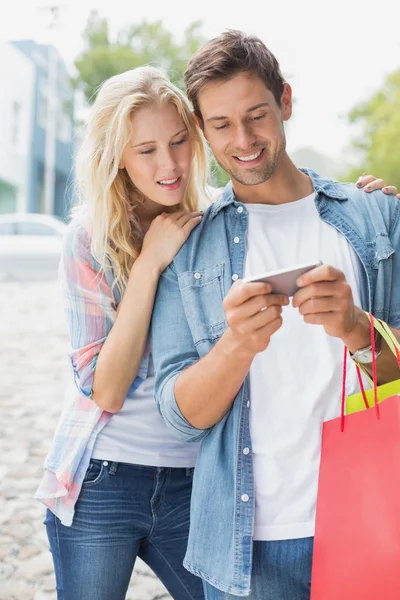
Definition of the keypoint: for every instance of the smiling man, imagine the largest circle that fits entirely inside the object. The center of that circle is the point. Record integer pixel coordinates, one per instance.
(248, 373)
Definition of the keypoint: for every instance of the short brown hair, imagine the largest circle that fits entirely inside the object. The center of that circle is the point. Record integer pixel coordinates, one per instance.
(226, 55)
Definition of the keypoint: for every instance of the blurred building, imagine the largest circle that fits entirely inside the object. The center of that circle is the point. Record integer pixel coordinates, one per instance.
(34, 81)
(17, 95)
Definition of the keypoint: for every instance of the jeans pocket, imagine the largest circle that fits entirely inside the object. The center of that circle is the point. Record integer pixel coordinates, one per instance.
(94, 473)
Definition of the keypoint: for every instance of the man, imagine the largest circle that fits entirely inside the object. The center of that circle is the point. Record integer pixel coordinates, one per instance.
(249, 374)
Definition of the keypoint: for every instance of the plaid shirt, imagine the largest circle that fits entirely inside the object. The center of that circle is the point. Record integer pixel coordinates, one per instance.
(91, 307)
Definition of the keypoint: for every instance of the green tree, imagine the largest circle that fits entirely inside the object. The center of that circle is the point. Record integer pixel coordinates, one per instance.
(135, 45)
(378, 145)
(218, 177)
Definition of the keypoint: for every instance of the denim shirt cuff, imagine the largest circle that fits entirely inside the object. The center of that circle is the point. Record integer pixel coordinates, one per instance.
(172, 415)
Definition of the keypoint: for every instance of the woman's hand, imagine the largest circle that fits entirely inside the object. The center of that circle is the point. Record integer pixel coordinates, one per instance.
(165, 236)
(371, 184)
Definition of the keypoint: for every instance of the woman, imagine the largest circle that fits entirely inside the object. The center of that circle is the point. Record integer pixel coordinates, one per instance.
(117, 484)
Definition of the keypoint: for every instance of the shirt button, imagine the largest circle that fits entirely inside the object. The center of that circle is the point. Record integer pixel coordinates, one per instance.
(244, 498)
(197, 275)
(246, 450)
(235, 277)
(248, 404)
(236, 240)
(240, 209)
(105, 463)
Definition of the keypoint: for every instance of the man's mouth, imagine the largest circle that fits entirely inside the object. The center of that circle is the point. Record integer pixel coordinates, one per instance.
(250, 159)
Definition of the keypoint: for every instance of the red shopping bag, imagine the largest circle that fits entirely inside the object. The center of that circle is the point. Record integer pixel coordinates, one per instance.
(357, 537)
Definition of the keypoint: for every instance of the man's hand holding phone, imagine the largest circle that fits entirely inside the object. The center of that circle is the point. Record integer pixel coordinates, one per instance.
(322, 295)
(253, 315)
(325, 298)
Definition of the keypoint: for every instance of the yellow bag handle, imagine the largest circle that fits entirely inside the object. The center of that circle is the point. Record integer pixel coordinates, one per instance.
(356, 402)
(388, 335)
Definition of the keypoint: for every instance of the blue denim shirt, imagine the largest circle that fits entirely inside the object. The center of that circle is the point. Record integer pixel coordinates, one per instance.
(189, 319)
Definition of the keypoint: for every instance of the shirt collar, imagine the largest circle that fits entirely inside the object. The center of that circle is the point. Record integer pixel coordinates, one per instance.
(329, 188)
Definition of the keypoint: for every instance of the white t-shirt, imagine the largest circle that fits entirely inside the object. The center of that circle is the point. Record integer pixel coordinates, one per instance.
(295, 384)
(138, 435)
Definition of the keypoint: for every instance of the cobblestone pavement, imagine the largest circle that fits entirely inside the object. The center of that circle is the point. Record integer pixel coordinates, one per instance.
(33, 376)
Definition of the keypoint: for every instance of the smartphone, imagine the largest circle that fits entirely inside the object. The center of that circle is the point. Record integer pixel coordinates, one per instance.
(284, 280)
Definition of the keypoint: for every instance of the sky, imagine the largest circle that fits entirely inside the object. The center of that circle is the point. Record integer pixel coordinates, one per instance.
(333, 54)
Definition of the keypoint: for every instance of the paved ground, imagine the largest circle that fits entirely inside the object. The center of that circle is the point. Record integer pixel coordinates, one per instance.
(33, 376)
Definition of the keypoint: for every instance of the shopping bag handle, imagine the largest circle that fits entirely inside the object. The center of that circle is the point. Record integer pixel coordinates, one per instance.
(391, 340)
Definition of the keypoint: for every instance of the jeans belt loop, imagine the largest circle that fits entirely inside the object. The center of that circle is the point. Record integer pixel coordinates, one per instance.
(113, 468)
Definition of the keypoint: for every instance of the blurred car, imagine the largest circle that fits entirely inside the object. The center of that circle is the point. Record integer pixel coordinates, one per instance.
(30, 246)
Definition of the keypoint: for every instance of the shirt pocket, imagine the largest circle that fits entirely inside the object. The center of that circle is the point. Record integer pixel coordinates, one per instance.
(202, 295)
(383, 249)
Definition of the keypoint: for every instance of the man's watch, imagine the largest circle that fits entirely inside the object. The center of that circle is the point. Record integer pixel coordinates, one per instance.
(364, 355)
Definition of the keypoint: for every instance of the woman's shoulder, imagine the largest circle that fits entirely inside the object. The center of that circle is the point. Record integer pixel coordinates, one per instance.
(77, 238)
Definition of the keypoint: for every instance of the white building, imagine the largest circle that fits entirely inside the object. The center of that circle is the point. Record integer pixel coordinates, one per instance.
(17, 89)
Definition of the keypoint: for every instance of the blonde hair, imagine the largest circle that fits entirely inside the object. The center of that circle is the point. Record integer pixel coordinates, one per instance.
(107, 196)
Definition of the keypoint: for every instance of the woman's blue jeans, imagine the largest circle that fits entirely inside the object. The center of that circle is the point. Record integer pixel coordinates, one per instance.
(124, 511)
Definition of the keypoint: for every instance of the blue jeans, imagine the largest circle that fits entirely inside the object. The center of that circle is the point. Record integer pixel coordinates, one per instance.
(281, 571)
(124, 511)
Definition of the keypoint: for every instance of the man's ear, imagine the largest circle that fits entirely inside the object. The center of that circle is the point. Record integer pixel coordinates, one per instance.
(200, 123)
(286, 102)
(199, 120)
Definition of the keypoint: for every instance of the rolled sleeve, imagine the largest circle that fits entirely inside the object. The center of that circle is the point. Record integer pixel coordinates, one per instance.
(90, 305)
(83, 363)
(170, 412)
(173, 352)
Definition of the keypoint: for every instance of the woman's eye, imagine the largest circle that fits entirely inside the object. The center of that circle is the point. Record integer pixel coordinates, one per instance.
(147, 151)
(179, 142)
(224, 126)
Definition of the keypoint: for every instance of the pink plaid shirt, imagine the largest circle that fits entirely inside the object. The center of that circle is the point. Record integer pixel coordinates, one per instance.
(91, 307)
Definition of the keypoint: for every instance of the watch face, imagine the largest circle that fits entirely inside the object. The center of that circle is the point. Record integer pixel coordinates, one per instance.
(363, 356)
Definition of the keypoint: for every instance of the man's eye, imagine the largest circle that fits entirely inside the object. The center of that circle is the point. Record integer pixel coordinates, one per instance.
(258, 118)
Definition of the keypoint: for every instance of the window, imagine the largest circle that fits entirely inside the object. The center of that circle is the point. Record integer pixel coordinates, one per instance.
(8, 197)
(42, 106)
(64, 133)
(16, 115)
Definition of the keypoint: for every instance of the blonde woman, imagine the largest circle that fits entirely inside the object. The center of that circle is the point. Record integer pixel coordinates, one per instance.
(117, 484)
